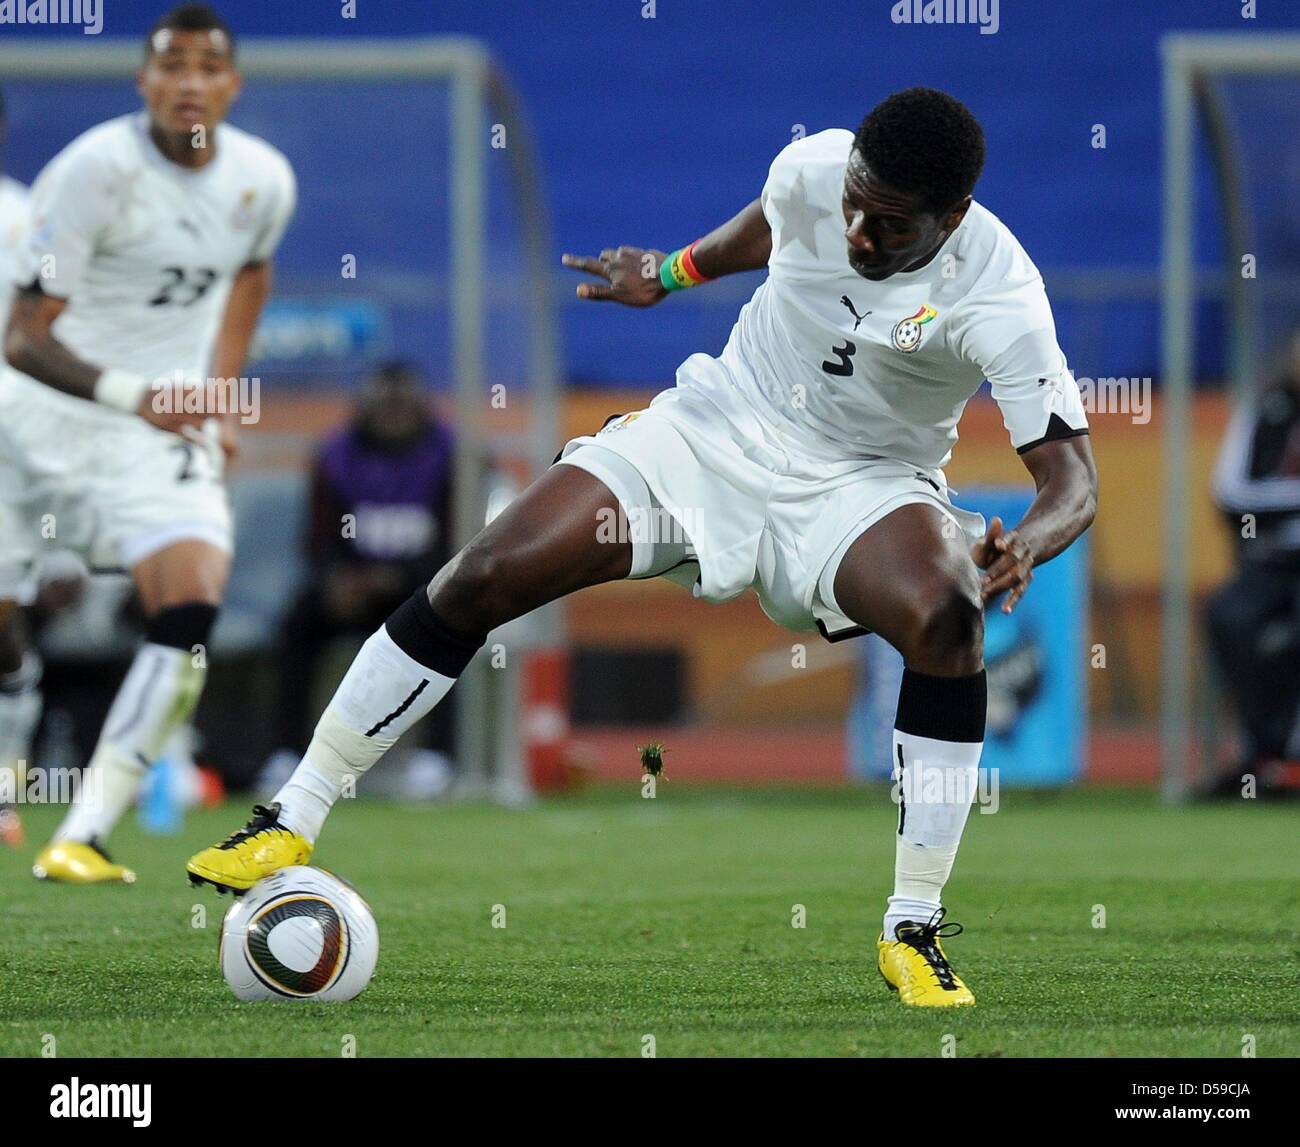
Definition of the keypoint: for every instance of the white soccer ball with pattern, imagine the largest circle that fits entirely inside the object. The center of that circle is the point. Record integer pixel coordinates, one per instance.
(300, 934)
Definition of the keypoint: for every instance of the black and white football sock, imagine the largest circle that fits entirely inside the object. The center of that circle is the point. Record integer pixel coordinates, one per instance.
(938, 737)
(157, 696)
(404, 669)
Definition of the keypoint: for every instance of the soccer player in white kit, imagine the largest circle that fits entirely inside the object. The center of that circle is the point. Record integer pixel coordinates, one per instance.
(145, 273)
(806, 461)
(19, 667)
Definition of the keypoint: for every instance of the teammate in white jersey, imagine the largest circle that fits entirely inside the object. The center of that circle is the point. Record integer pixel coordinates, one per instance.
(147, 268)
(19, 667)
(805, 461)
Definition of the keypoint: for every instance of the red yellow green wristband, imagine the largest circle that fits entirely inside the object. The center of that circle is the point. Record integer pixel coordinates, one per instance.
(679, 271)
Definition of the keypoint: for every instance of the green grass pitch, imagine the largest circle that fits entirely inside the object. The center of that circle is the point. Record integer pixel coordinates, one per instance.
(672, 918)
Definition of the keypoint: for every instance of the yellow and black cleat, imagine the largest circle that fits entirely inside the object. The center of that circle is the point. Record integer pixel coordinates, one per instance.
(261, 847)
(72, 862)
(914, 965)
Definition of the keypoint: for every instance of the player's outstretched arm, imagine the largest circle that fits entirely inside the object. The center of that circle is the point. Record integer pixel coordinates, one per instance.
(638, 277)
(1065, 505)
(30, 346)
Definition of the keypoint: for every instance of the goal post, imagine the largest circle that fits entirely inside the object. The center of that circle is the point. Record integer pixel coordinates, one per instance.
(1195, 67)
(480, 97)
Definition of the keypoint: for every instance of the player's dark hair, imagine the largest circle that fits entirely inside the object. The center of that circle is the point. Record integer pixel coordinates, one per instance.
(191, 18)
(925, 142)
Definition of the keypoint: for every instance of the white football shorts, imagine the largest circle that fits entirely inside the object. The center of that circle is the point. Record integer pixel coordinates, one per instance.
(713, 500)
(112, 490)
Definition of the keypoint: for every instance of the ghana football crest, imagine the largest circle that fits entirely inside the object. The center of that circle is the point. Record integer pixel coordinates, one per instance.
(907, 332)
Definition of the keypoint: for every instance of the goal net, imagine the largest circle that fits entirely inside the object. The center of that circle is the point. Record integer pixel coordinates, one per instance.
(420, 235)
(1231, 179)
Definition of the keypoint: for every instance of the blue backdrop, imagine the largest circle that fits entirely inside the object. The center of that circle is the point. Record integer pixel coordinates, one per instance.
(653, 130)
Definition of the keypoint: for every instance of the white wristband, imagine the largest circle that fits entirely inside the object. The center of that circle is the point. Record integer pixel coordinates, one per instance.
(121, 389)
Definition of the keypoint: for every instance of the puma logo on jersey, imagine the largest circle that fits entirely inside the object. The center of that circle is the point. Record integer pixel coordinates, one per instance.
(190, 226)
(849, 303)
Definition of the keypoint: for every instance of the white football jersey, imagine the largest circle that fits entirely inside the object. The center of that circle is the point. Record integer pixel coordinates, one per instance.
(144, 250)
(14, 219)
(842, 367)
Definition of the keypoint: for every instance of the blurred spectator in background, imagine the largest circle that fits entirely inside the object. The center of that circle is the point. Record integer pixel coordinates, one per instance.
(1254, 619)
(379, 523)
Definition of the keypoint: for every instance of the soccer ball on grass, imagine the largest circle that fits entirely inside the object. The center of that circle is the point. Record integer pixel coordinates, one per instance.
(300, 934)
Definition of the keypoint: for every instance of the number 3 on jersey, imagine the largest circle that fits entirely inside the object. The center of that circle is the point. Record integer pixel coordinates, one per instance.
(844, 367)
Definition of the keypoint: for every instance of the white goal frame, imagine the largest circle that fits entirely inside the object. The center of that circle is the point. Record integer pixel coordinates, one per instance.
(489, 748)
(1190, 62)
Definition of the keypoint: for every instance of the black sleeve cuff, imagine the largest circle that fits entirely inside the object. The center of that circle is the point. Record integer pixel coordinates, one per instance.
(1057, 429)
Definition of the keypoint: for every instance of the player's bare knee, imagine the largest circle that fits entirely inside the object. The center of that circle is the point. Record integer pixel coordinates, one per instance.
(475, 591)
(948, 632)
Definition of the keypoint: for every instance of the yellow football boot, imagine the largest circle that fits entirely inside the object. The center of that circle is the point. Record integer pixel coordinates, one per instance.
(261, 847)
(914, 965)
(72, 862)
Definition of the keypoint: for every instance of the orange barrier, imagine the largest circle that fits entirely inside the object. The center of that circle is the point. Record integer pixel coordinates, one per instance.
(726, 647)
